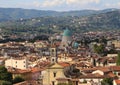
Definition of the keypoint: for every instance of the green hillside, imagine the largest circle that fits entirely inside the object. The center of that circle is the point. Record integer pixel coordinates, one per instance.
(103, 21)
(18, 13)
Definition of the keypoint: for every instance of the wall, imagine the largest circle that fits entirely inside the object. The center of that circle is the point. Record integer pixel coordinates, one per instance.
(20, 64)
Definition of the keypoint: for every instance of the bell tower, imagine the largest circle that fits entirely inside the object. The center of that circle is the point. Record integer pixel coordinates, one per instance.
(53, 54)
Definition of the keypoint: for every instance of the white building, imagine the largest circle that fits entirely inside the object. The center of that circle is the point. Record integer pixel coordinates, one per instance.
(17, 63)
(112, 55)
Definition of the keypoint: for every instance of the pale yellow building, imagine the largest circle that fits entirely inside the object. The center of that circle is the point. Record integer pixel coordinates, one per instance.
(17, 63)
(64, 57)
(116, 43)
(52, 74)
(40, 44)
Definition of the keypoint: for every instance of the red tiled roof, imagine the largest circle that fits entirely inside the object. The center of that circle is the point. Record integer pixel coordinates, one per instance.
(64, 64)
(104, 69)
(33, 70)
(111, 75)
(2, 58)
(88, 69)
(19, 71)
(115, 68)
(97, 75)
(62, 79)
(117, 82)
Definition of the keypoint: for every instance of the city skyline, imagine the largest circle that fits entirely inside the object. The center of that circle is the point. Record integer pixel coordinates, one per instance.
(60, 5)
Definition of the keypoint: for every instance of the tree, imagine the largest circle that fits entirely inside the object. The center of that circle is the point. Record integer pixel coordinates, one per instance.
(18, 79)
(118, 60)
(5, 83)
(103, 40)
(107, 81)
(4, 74)
(99, 49)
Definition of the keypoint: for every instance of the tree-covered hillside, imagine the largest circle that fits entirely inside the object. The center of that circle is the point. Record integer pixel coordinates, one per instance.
(18, 13)
(103, 21)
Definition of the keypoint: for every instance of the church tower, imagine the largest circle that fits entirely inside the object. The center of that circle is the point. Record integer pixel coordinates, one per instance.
(53, 54)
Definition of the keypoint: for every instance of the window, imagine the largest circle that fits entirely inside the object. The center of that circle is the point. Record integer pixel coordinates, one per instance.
(54, 74)
(52, 50)
(16, 61)
(24, 65)
(16, 65)
(53, 82)
(53, 60)
(76, 82)
(23, 61)
(118, 73)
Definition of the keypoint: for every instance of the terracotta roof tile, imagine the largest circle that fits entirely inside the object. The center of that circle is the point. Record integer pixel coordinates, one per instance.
(64, 64)
(62, 79)
(111, 75)
(16, 71)
(115, 68)
(104, 69)
(33, 70)
(97, 75)
(19, 71)
(117, 82)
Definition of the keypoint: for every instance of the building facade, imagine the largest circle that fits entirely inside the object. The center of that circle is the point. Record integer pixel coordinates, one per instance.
(17, 63)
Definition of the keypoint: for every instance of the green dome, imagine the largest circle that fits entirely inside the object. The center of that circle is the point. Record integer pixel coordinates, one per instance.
(75, 45)
(67, 32)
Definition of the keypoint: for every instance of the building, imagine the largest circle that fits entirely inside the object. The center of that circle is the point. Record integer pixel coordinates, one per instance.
(96, 75)
(116, 43)
(17, 63)
(27, 74)
(53, 74)
(67, 38)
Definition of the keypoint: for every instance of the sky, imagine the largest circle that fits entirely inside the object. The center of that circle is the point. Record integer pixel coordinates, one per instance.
(60, 5)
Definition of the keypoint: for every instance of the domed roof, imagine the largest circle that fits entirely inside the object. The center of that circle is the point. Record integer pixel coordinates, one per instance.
(67, 32)
(75, 45)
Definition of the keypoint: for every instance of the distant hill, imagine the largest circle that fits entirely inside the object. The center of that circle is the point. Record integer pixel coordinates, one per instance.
(17, 13)
(109, 20)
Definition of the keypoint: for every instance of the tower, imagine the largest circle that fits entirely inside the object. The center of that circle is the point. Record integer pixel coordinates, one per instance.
(53, 54)
(67, 38)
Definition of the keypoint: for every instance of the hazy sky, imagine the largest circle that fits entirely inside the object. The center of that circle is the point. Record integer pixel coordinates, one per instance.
(60, 5)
